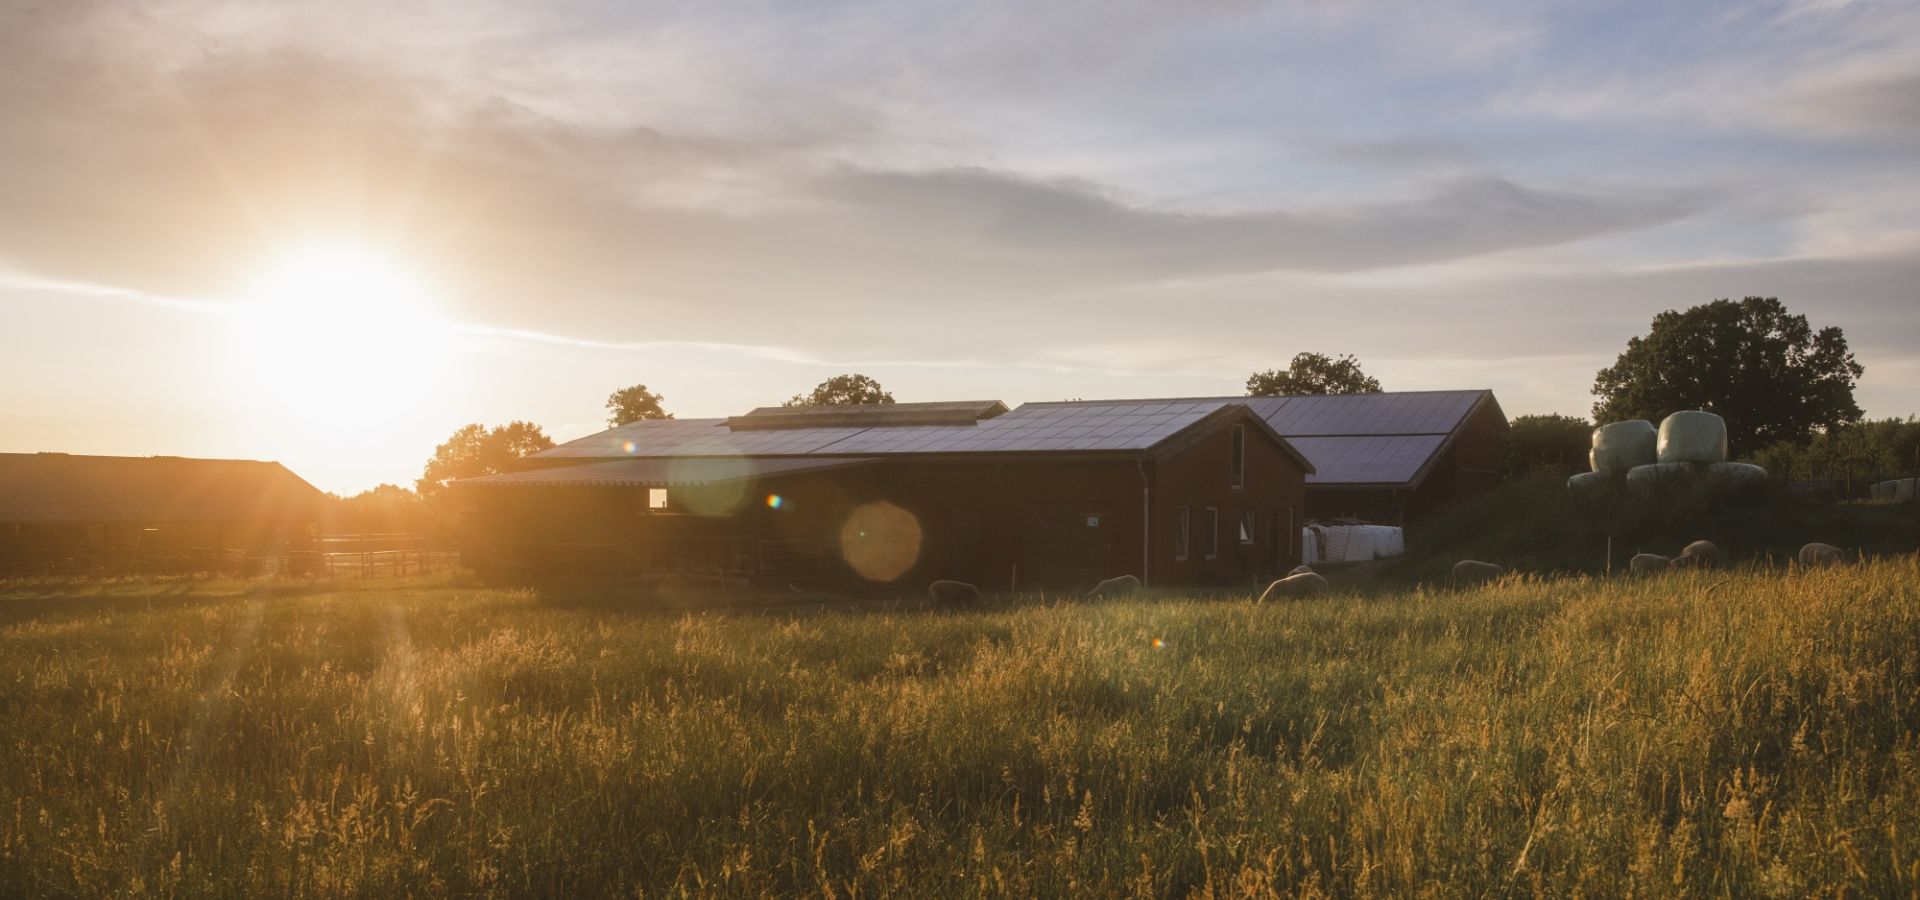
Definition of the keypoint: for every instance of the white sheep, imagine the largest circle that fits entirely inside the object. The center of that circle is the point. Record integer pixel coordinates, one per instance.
(1473, 571)
(1122, 586)
(949, 594)
(1648, 563)
(1817, 555)
(1305, 584)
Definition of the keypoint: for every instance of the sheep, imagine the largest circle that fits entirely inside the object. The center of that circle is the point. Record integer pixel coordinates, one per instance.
(1698, 555)
(1123, 586)
(1648, 564)
(1473, 571)
(1300, 570)
(1305, 584)
(953, 594)
(1817, 555)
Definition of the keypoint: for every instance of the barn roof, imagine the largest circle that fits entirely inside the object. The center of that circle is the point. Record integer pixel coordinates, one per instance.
(1035, 428)
(662, 472)
(158, 490)
(1376, 440)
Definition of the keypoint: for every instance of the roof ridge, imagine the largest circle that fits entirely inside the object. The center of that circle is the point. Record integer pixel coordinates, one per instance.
(1224, 398)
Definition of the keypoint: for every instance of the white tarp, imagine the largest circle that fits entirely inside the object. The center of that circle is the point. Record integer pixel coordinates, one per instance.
(1350, 543)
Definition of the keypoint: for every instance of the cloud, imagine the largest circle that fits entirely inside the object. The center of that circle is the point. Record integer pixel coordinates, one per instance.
(160, 158)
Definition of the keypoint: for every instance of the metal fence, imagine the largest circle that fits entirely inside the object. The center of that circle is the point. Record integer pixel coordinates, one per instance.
(353, 556)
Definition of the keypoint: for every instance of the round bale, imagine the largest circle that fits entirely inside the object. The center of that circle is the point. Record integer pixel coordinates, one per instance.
(1692, 436)
(1650, 479)
(1590, 482)
(1619, 446)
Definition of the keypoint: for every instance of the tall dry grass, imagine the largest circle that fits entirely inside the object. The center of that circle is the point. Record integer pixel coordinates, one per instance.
(1696, 734)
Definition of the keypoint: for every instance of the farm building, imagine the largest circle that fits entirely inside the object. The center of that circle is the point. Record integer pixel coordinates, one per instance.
(1049, 494)
(62, 513)
(1183, 491)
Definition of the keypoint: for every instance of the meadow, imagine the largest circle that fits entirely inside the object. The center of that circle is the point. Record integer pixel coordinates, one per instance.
(1696, 734)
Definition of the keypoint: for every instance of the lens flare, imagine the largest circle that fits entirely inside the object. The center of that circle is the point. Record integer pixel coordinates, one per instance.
(775, 501)
(880, 541)
(1159, 644)
(629, 447)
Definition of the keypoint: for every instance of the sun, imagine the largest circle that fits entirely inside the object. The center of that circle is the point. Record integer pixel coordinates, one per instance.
(336, 328)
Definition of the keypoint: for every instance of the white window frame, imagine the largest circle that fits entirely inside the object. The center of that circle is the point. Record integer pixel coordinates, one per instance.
(1249, 526)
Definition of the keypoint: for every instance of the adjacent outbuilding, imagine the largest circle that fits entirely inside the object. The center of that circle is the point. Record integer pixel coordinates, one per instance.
(69, 513)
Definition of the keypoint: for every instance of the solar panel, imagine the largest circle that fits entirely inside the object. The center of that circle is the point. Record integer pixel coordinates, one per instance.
(1355, 438)
(1369, 459)
(1436, 412)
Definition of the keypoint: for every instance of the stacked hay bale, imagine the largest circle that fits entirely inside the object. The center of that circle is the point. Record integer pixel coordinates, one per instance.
(1687, 445)
(1618, 448)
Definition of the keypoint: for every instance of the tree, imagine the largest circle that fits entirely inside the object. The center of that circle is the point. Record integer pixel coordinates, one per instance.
(386, 509)
(1313, 373)
(474, 451)
(1551, 442)
(1764, 370)
(1858, 452)
(843, 390)
(634, 404)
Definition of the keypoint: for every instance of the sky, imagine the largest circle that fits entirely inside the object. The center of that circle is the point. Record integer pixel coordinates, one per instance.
(332, 233)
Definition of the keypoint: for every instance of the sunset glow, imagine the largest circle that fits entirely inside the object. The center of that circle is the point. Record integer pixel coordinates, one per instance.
(333, 327)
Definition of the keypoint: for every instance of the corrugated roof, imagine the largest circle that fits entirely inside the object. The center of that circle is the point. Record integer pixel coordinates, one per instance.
(154, 490)
(663, 472)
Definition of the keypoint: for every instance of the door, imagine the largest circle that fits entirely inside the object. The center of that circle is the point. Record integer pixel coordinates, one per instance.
(1066, 546)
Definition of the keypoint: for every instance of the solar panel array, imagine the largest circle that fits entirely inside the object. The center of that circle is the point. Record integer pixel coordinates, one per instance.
(1420, 412)
(1029, 429)
(1368, 459)
(663, 472)
(698, 437)
(1350, 439)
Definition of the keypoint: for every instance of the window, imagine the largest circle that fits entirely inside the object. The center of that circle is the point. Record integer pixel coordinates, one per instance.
(1213, 532)
(1239, 464)
(1246, 526)
(656, 498)
(1182, 528)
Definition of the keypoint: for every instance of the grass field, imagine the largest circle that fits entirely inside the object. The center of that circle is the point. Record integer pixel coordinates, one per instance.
(1698, 734)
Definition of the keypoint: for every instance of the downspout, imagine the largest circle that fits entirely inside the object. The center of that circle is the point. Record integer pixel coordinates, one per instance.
(1146, 520)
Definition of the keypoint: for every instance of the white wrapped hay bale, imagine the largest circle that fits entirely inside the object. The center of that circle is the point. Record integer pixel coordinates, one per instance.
(1693, 436)
(1619, 446)
(1650, 479)
(1906, 489)
(1589, 482)
(1736, 473)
